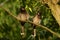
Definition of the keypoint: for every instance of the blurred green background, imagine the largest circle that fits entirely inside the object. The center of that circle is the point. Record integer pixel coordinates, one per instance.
(10, 27)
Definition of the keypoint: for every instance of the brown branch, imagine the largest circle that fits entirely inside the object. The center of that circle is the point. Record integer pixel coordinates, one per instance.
(58, 35)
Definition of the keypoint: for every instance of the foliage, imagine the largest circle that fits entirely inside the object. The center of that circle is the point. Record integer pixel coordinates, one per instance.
(10, 27)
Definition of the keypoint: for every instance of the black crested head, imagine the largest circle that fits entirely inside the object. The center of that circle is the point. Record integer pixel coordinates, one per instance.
(22, 9)
(39, 14)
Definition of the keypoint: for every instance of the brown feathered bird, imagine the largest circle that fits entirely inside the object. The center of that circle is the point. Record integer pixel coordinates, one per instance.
(23, 16)
(36, 20)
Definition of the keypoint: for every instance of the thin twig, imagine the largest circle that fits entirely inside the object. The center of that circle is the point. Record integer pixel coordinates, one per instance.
(58, 35)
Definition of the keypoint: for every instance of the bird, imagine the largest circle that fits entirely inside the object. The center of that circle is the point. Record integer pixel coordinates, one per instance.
(23, 16)
(36, 20)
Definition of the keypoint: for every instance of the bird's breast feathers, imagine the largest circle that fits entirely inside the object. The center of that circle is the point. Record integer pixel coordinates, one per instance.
(23, 17)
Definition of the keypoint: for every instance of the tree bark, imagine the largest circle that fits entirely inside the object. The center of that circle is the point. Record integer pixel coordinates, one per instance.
(55, 8)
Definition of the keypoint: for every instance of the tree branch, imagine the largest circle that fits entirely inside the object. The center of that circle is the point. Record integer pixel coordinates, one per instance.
(58, 35)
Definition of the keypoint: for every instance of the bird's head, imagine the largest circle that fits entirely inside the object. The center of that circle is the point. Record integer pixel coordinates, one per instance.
(22, 9)
(39, 14)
